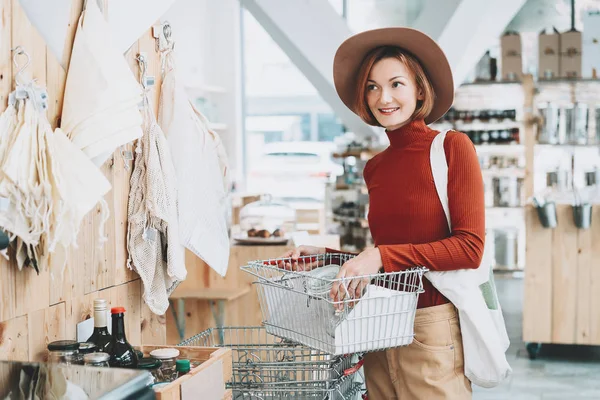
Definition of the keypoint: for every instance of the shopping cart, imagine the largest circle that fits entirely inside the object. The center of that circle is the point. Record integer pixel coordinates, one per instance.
(296, 304)
(268, 367)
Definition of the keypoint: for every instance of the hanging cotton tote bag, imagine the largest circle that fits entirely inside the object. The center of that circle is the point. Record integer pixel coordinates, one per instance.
(473, 293)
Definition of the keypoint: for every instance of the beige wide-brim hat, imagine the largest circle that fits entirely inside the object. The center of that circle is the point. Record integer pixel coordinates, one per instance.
(352, 52)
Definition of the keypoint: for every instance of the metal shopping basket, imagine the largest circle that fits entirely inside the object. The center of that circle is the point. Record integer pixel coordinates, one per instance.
(345, 389)
(296, 304)
(268, 367)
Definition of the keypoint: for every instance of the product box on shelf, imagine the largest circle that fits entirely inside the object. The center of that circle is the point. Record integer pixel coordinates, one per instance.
(590, 57)
(208, 378)
(570, 54)
(549, 55)
(512, 59)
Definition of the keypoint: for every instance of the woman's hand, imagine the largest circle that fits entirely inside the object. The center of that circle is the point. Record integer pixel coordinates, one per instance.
(304, 264)
(366, 263)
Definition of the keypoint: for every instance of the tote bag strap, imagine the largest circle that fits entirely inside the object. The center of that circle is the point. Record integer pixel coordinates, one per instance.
(439, 168)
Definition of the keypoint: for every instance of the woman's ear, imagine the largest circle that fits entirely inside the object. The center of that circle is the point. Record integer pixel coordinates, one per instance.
(420, 95)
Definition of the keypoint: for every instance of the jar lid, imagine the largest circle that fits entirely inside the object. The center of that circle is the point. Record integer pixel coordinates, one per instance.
(163, 354)
(182, 365)
(87, 347)
(149, 363)
(96, 357)
(63, 345)
(117, 310)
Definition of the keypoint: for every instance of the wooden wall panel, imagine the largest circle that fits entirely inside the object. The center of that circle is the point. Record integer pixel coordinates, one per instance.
(7, 275)
(78, 309)
(594, 280)
(562, 281)
(35, 310)
(14, 344)
(583, 290)
(45, 326)
(8, 280)
(564, 277)
(33, 290)
(153, 327)
(537, 303)
(5, 54)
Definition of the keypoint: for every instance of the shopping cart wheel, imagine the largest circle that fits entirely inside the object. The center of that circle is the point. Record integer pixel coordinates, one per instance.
(533, 349)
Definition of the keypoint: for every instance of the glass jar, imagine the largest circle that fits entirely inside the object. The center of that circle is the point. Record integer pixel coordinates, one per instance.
(96, 359)
(85, 348)
(167, 357)
(267, 219)
(63, 351)
(153, 366)
(182, 367)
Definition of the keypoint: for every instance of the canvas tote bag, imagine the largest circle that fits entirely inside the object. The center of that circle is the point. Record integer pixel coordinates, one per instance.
(473, 293)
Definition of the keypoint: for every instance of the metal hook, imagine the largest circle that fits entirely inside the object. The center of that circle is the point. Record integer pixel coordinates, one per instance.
(163, 34)
(141, 58)
(18, 51)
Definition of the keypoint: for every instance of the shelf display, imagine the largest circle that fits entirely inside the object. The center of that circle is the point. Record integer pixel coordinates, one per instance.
(347, 200)
(266, 221)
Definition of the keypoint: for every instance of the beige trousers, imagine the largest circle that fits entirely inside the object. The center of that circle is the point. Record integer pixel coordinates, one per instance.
(431, 367)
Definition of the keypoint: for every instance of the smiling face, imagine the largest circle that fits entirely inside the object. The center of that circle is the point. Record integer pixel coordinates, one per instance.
(392, 93)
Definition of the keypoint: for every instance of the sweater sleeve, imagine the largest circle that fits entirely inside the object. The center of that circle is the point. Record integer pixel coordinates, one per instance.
(463, 249)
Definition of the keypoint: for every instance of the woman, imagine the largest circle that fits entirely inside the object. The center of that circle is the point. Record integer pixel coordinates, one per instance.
(400, 79)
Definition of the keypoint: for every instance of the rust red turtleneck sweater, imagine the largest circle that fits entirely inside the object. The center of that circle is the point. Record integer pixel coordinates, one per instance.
(406, 218)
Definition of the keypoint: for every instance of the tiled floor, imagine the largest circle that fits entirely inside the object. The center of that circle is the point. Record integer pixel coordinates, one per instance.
(560, 372)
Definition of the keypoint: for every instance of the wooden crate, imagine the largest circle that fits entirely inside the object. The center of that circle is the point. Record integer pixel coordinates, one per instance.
(208, 378)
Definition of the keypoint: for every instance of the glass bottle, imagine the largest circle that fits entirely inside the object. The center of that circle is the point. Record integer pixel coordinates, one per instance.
(122, 354)
(100, 337)
(182, 367)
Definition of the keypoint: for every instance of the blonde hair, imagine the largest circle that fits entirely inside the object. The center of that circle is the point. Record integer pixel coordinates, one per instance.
(424, 106)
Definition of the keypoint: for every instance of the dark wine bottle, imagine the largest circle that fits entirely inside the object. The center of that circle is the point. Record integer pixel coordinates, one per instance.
(100, 337)
(122, 354)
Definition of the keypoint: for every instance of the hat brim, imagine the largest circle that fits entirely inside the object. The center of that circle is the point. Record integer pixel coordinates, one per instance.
(352, 52)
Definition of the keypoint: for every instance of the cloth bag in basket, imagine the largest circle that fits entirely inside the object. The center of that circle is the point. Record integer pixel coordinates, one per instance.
(473, 293)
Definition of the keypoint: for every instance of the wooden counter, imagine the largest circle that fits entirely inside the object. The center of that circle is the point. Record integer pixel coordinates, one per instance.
(205, 295)
(562, 281)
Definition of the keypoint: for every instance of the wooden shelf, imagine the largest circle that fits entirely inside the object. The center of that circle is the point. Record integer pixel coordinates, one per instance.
(504, 172)
(363, 154)
(566, 146)
(508, 270)
(491, 83)
(567, 81)
(362, 221)
(211, 294)
(500, 148)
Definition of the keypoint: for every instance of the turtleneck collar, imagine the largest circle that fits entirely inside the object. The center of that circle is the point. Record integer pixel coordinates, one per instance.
(414, 130)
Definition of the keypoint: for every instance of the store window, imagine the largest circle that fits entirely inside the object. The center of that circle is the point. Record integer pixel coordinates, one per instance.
(282, 108)
(329, 126)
